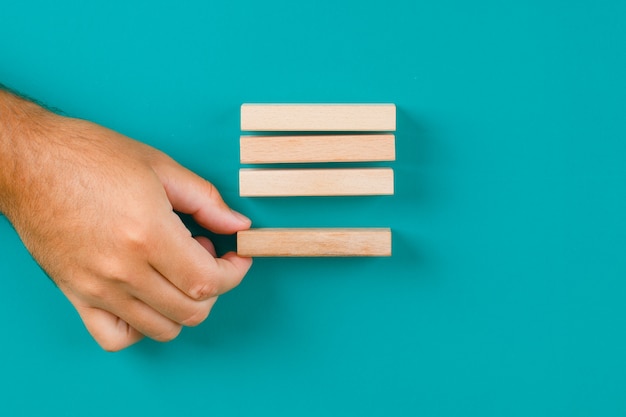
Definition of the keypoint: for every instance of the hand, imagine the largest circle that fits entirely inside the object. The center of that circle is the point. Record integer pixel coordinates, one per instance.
(96, 210)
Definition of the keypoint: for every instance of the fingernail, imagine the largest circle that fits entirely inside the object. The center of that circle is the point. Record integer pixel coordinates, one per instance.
(240, 216)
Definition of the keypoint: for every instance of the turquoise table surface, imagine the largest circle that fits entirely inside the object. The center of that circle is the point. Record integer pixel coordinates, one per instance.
(506, 291)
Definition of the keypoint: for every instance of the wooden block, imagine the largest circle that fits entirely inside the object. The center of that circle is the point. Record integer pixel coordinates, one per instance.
(315, 182)
(331, 148)
(319, 117)
(314, 242)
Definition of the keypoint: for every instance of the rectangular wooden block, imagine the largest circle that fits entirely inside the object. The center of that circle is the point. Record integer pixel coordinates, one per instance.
(314, 242)
(318, 117)
(330, 148)
(315, 182)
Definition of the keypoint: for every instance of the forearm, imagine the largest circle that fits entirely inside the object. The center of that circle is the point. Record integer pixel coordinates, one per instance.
(19, 118)
(10, 114)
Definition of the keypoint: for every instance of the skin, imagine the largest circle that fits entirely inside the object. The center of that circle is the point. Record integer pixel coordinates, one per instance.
(96, 211)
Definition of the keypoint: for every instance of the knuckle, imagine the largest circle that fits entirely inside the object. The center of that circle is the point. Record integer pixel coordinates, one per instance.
(118, 269)
(197, 317)
(92, 289)
(210, 190)
(135, 237)
(115, 270)
(204, 290)
(169, 334)
(113, 344)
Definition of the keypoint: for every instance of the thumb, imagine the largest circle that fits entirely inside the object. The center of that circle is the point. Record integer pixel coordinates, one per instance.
(191, 194)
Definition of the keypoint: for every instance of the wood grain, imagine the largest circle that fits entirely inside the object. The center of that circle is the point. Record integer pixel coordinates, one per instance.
(318, 117)
(314, 242)
(315, 182)
(330, 148)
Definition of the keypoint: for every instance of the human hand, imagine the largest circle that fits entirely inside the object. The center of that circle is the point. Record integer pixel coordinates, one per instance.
(96, 210)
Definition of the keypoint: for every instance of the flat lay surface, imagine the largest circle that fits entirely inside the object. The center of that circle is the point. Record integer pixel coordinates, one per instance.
(506, 291)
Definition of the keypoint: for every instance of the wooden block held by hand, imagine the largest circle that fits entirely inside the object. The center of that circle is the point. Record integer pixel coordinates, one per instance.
(314, 242)
(330, 148)
(315, 182)
(319, 117)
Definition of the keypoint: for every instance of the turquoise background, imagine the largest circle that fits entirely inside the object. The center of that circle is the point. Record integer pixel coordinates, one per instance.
(506, 293)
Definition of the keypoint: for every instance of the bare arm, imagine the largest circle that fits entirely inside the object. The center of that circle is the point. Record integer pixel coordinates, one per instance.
(96, 210)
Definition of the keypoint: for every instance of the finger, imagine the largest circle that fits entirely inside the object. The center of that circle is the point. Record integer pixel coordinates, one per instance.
(233, 264)
(108, 330)
(207, 245)
(145, 319)
(186, 263)
(161, 295)
(133, 311)
(190, 194)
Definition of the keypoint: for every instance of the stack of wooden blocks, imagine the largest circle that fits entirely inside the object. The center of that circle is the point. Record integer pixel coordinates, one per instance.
(377, 145)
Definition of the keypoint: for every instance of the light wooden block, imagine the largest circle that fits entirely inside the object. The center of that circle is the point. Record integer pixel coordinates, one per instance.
(315, 182)
(330, 148)
(314, 242)
(318, 117)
